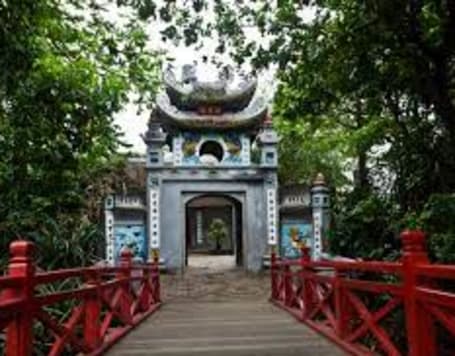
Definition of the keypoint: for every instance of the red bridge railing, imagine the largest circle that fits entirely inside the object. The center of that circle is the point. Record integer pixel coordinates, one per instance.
(388, 308)
(101, 305)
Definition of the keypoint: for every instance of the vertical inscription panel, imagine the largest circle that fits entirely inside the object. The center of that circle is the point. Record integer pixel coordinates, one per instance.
(272, 217)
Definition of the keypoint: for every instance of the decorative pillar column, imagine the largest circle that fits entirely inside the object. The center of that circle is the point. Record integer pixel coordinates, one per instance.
(320, 203)
(154, 139)
(109, 204)
(267, 142)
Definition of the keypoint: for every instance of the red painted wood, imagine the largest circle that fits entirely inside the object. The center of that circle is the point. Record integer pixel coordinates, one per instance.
(436, 271)
(329, 297)
(273, 275)
(156, 278)
(19, 333)
(110, 302)
(419, 326)
(92, 331)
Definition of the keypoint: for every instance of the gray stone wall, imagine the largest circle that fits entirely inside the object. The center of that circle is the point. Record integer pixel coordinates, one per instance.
(179, 186)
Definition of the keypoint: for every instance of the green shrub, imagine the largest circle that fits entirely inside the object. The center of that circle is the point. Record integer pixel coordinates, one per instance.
(438, 220)
(217, 233)
(362, 227)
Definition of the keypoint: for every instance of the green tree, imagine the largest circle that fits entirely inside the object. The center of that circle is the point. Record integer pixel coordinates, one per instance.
(66, 70)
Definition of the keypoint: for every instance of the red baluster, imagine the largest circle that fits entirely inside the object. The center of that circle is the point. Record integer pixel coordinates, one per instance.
(419, 325)
(19, 335)
(126, 262)
(156, 276)
(146, 296)
(307, 294)
(288, 288)
(273, 274)
(343, 310)
(92, 328)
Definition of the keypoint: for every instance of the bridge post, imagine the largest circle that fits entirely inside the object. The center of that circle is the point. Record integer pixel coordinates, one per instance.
(19, 334)
(420, 327)
(343, 309)
(288, 289)
(273, 273)
(156, 276)
(126, 262)
(307, 294)
(92, 331)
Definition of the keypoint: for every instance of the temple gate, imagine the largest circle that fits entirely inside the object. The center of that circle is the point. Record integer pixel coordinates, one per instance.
(211, 156)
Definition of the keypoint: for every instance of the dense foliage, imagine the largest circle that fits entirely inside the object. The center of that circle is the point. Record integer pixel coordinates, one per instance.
(67, 68)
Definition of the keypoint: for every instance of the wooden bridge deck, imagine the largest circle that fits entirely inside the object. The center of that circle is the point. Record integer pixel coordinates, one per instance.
(216, 310)
(207, 328)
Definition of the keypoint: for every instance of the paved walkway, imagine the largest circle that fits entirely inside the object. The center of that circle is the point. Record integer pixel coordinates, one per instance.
(211, 312)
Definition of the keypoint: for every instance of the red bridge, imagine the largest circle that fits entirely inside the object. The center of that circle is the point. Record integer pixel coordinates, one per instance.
(362, 308)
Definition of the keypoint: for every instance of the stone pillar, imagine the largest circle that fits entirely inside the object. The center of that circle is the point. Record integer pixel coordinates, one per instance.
(320, 204)
(267, 141)
(154, 139)
(109, 204)
(199, 227)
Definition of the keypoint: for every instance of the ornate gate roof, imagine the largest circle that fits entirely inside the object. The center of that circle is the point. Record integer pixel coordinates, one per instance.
(190, 103)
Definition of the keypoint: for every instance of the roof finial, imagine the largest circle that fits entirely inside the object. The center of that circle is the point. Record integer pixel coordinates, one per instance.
(268, 122)
(319, 180)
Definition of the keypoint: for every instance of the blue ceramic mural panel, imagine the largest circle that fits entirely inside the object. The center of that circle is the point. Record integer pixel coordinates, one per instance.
(304, 235)
(132, 236)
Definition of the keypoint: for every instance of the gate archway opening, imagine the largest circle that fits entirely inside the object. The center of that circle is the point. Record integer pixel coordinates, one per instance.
(206, 214)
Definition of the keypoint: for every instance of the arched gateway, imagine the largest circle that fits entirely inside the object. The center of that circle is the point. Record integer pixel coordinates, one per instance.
(211, 154)
(202, 212)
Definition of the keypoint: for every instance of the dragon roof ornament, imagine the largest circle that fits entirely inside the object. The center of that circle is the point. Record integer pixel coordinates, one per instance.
(226, 92)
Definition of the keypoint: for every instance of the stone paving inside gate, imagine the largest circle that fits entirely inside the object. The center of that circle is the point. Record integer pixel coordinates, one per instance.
(215, 278)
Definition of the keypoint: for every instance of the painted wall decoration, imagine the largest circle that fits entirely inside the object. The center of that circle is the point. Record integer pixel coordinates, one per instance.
(292, 232)
(133, 237)
(231, 143)
(234, 149)
(154, 217)
(272, 216)
(317, 221)
(177, 150)
(190, 143)
(109, 233)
